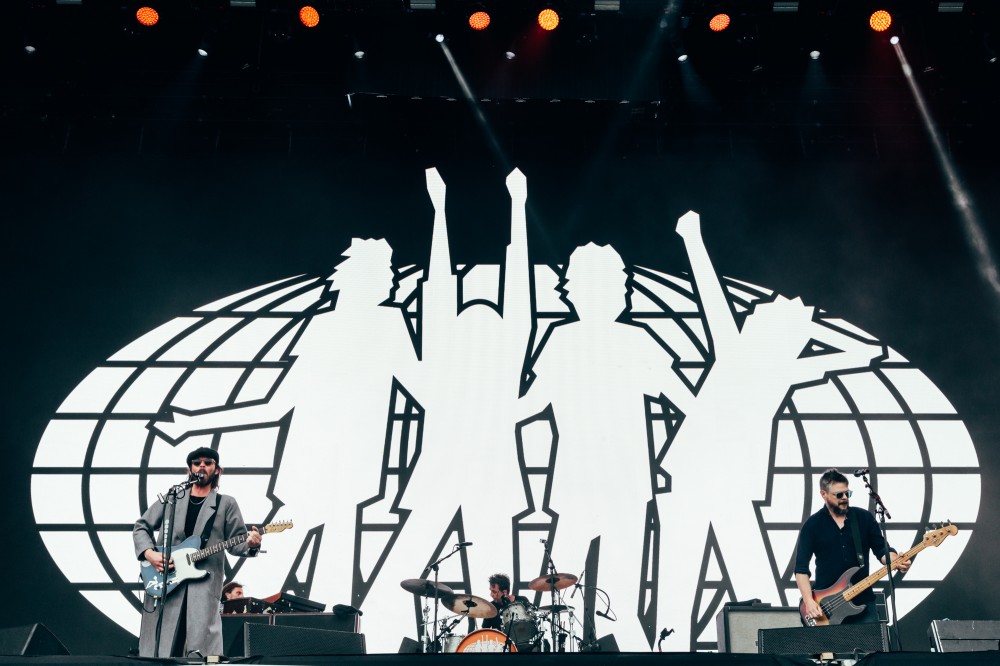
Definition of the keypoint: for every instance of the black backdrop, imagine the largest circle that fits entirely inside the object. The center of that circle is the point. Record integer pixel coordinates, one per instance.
(103, 245)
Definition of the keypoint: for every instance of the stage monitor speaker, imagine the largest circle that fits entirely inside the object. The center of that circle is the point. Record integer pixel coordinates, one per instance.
(232, 632)
(839, 639)
(737, 626)
(410, 646)
(30, 640)
(964, 635)
(329, 621)
(275, 641)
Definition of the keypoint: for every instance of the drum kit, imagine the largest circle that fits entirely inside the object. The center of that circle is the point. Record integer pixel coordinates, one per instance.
(522, 624)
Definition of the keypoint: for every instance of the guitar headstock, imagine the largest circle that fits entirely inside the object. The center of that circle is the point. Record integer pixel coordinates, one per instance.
(935, 536)
(279, 526)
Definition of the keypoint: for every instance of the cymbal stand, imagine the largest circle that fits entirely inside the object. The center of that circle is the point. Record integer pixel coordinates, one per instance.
(555, 625)
(431, 645)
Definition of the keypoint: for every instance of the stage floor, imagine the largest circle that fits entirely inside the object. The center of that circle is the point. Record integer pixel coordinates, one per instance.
(542, 659)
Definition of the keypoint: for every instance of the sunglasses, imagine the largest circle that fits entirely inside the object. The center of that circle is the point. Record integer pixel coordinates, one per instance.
(207, 462)
(842, 494)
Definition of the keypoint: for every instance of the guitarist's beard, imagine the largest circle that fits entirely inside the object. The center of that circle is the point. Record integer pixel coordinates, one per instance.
(840, 510)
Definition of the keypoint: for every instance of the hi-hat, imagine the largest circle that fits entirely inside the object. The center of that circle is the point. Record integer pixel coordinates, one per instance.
(559, 581)
(471, 605)
(425, 588)
(558, 608)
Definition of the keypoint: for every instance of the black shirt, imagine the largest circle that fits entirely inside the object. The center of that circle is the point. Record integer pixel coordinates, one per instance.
(834, 548)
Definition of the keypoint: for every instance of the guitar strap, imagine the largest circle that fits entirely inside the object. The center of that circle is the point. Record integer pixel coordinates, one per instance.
(857, 540)
(207, 532)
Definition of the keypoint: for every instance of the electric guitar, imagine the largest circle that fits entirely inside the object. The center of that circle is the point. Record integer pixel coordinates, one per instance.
(835, 601)
(186, 554)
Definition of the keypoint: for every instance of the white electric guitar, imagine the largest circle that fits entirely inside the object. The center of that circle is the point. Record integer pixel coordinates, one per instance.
(186, 554)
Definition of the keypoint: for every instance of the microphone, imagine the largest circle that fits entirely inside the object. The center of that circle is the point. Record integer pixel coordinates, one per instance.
(605, 616)
(463, 544)
(861, 472)
(200, 476)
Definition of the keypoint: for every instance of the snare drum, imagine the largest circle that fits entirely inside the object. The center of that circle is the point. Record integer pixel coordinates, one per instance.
(450, 642)
(485, 640)
(519, 622)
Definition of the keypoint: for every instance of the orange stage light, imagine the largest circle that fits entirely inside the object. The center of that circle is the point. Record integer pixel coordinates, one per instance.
(719, 22)
(309, 16)
(479, 21)
(147, 16)
(880, 20)
(548, 19)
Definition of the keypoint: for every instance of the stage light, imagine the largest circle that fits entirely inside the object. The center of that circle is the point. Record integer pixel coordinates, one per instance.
(202, 52)
(309, 16)
(814, 55)
(548, 19)
(439, 38)
(894, 40)
(510, 55)
(719, 22)
(682, 57)
(359, 55)
(880, 20)
(30, 50)
(479, 20)
(147, 16)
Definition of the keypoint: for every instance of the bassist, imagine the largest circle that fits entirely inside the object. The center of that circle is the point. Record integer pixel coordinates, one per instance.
(191, 623)
(840, 536)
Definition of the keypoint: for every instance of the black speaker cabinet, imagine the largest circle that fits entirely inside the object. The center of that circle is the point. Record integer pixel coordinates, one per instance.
(737, 626)
(232, 632)
(329, 621)
(272, 641)
(964, 635)
(30, 640)
(839, 639)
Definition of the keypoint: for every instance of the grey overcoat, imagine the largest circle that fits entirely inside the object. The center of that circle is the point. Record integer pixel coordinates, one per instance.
(202, 619)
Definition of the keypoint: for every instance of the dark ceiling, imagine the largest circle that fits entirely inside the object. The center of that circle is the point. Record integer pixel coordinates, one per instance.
(98, 80)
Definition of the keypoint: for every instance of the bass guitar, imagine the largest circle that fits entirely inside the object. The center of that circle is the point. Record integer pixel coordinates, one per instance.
(835, 601)
(185, 556)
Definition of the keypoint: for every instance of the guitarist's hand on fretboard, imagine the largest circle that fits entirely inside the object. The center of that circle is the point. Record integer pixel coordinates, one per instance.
(253, 538)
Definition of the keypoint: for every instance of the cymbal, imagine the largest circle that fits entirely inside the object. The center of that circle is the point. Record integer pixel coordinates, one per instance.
(545, 583)
(424, 587)
(558, 608)
(469, 604)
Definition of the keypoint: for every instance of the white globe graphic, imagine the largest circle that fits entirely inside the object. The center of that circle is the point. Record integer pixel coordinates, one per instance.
(98, 466)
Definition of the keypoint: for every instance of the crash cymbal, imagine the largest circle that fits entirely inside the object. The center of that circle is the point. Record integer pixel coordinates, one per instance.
(425, 588)
(558, 608)
(471, 605)
(545, 583)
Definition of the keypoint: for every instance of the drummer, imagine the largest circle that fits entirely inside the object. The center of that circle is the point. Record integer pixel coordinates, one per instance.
(501, 596)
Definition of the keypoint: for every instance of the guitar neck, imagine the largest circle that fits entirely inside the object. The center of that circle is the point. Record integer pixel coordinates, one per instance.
(218, 547)
(865, 583)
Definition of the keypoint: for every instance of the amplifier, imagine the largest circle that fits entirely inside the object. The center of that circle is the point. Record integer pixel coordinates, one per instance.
(737, 626)
(232, 626)
(268, 640)
(964, 635)
(840, 639)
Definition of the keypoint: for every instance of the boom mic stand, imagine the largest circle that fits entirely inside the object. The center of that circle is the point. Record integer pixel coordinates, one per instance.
(168, 538)
(882, 514)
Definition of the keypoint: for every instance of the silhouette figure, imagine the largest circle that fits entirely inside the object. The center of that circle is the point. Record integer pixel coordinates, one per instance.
(336, 393)
(471, 366)
(595, 372)
(719, 459)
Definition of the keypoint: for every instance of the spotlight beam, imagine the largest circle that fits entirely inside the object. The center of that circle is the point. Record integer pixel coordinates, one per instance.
(975, 235)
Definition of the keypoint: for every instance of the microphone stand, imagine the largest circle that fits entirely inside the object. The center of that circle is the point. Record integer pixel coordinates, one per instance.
(434, 566)
(554, 624)
(882, 514)
(168, 538)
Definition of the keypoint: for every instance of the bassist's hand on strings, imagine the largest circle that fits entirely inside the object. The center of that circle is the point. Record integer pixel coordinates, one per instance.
(812, 609)
(155, 558)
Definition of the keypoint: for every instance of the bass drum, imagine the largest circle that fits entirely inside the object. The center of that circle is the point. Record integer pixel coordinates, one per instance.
(485, 640)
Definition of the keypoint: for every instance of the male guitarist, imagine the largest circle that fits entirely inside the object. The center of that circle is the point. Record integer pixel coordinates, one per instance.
(840, 537)
(191, 623)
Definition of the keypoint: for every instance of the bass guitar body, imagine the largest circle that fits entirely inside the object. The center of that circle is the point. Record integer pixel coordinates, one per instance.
(184, 569)
(835, 607)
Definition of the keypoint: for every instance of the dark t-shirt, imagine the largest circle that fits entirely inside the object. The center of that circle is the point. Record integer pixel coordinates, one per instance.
(192, 516)
(834, 548)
